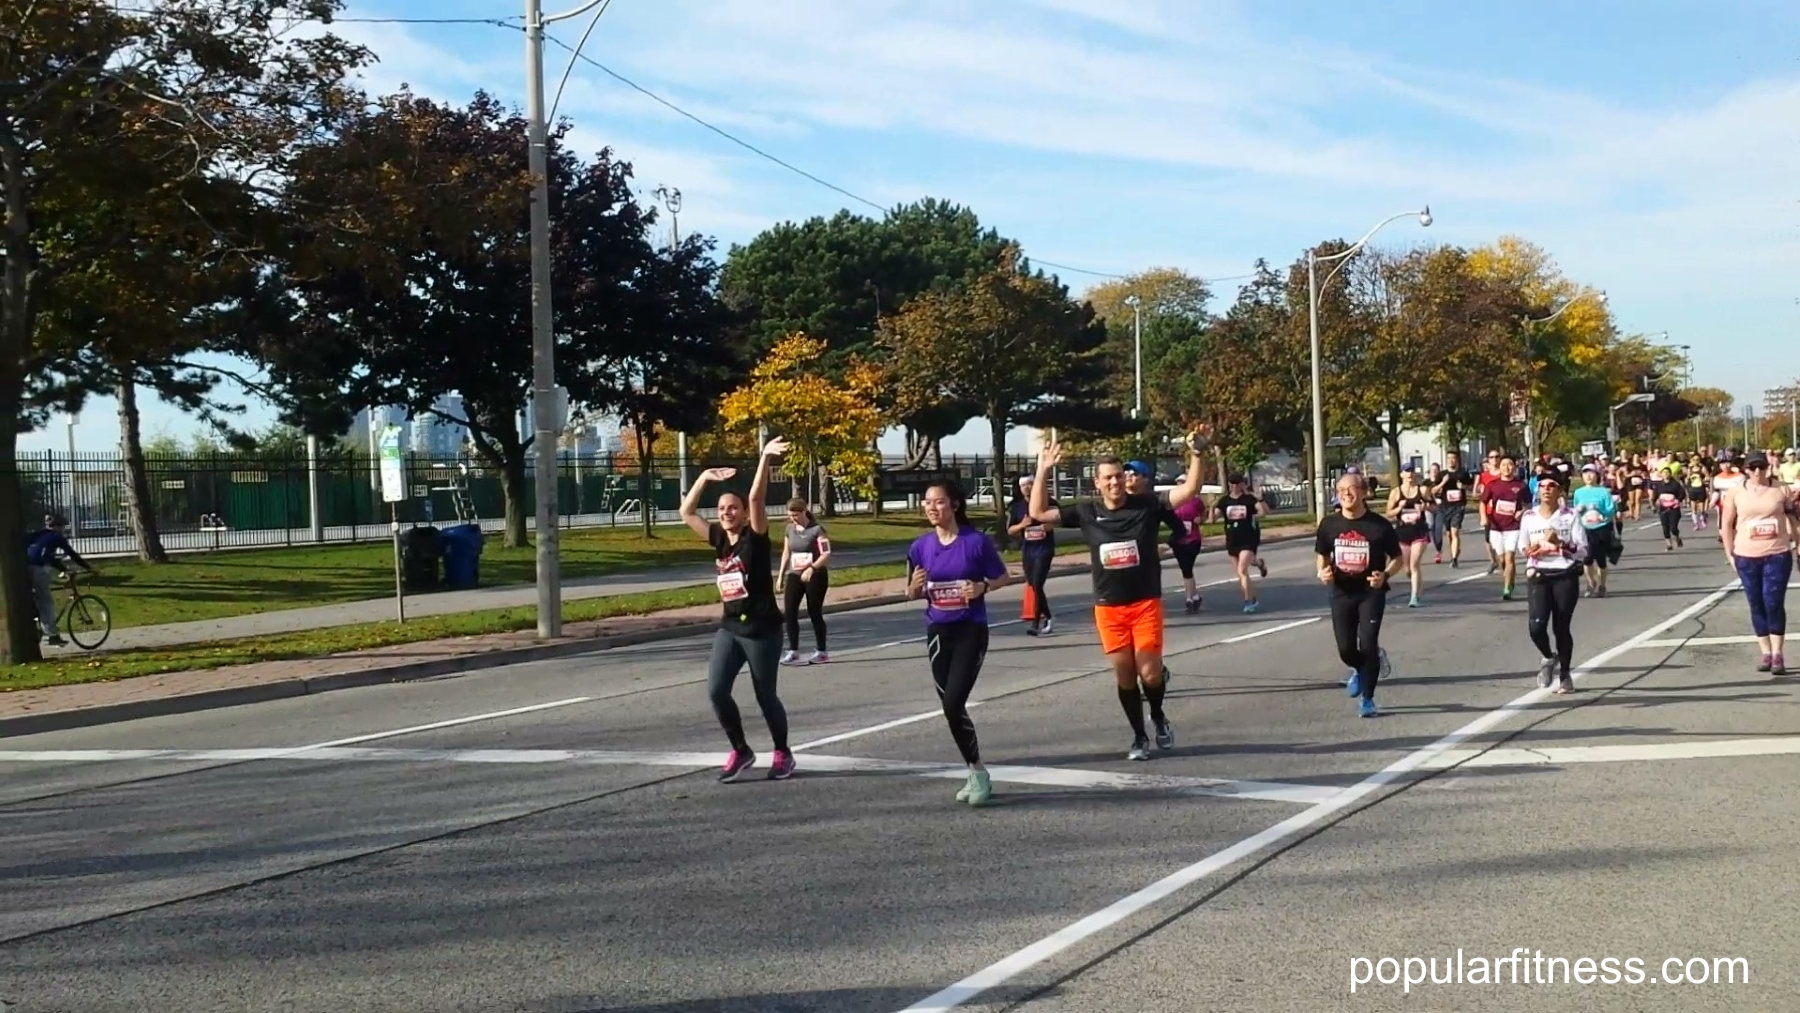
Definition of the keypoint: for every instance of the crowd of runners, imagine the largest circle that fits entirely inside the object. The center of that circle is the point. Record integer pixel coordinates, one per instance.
(1561, 520)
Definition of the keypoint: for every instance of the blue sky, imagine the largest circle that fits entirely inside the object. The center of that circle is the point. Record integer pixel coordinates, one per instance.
(1650, 146)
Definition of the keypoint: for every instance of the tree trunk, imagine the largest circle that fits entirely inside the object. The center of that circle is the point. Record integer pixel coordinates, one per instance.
(512, 489)
(139, 500)
(17, 325)
(22, 643)
(647, 482)
(997, 426)
(875, 504)
(937, 455)
(1390, 435)
(827, 493)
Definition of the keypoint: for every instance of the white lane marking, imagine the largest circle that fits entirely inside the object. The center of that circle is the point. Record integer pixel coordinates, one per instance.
(872, 729)
(1007, 968)
(1472, 576)
(451, 723)
(1056, 777)
(1698, 642)
(1559, 755)
(1273, 629)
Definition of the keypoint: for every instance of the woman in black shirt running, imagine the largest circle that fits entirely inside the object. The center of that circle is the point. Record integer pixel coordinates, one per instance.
(750, 626)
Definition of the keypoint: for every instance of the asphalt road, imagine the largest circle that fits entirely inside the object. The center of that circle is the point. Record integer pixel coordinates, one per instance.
(550, 837)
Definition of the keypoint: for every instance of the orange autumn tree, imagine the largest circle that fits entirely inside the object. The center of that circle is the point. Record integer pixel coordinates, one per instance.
(830, 424)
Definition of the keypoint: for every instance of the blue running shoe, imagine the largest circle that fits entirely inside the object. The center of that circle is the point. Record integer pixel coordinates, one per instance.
(1368, 708)
(1354, 686)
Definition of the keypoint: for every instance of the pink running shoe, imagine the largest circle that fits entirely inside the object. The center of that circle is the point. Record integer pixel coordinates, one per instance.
(782, 767)
(735, 765)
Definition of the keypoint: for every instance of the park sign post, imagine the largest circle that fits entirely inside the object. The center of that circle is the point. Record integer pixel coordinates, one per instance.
(393, 490)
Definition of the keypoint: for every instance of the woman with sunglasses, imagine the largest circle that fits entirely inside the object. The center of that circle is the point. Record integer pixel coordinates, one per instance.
(1555, 545)
(1758, 529)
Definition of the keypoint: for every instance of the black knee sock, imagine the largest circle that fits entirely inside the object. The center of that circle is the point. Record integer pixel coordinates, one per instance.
(1133, 702)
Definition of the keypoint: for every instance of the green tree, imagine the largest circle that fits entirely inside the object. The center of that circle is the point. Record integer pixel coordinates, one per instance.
(221, 88)
(834, 278)
(1011, 342)
(418, 283)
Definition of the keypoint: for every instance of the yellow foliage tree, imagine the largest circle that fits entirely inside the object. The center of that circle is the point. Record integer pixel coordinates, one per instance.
(829, 424)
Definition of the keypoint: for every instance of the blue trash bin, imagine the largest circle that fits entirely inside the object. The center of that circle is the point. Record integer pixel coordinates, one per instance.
(462, 556)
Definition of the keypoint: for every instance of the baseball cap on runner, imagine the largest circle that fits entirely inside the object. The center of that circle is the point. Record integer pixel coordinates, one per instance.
(1140, 467)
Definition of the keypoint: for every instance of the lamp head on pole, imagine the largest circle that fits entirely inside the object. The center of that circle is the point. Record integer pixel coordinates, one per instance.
(1425, 217)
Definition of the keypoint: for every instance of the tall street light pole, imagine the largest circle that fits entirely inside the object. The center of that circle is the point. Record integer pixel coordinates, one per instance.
(1531, 450)
(543, 341)
(1313, 288)
(1137, 353)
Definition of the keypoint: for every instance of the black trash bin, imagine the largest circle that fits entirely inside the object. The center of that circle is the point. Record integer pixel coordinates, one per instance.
(421, 552)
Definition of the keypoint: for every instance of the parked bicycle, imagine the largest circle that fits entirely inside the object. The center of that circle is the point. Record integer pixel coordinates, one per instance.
(84, 616)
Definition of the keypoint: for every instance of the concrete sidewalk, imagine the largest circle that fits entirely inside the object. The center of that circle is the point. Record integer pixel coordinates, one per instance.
(436, 604)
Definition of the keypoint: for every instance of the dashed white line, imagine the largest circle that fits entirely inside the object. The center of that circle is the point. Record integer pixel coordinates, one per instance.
(1273, 629)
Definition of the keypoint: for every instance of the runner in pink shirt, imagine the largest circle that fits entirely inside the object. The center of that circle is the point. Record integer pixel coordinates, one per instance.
(1758, 524)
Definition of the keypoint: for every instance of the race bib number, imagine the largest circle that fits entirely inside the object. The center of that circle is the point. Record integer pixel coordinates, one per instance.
(732, 587)
(1350, 554)
(1636, 482)
(1764, 530)
(1505, 507)
(1036, 534)
(1236, 512)
(1593, 518)
(1668, 502)
(1193, 529)
(801, 560)
(1453, 495)
(947, 595)
(1118, 555)
(1409, 517)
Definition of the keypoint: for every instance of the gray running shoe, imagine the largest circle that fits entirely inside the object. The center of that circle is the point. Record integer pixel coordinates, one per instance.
(1546, 673)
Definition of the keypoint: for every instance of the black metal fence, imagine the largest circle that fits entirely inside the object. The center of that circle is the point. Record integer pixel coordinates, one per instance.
(215, 501)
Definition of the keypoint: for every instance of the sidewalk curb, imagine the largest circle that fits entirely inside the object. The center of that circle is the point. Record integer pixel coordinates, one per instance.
(239, 696)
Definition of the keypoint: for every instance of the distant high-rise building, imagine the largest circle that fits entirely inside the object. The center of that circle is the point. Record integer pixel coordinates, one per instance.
(434, 436)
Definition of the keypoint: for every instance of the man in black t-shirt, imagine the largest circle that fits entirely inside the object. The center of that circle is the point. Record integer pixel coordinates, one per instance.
(1121, 532)
(1357, 551)
(1452, 491)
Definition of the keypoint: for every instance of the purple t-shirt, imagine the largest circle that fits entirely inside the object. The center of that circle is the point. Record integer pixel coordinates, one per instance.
(971, 556)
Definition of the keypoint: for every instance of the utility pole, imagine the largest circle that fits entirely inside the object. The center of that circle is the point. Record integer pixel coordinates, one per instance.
(671, 198)
(543, 338)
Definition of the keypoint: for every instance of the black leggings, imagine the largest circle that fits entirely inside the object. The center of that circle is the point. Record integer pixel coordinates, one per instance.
(1671, 522)
(1600, 543)
(1356, 623)
(1185, 555)
(762, 652)
(1037, 571)
(1552, 597)
(956, 651)
(813, 591)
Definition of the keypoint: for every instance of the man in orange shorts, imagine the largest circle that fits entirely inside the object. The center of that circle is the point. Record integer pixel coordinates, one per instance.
(1122, 534)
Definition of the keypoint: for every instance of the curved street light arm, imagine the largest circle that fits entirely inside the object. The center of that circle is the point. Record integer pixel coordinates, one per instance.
(546, 19)
(1577, 297)
(1424, 215)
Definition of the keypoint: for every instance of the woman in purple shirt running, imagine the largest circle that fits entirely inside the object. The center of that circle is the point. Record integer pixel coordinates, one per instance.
(953, 567)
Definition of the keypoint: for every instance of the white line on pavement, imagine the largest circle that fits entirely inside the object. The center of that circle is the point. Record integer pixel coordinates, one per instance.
(1007, 968)
(1273, 629)
(1558, 755)
(452, 723)
(872, 729)
(1055, 777)
(1465, 580)
(1698, 642)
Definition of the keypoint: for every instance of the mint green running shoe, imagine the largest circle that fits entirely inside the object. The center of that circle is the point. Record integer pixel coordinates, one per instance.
(980, 788)
(968, 786)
